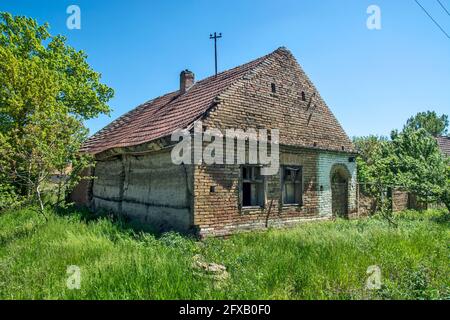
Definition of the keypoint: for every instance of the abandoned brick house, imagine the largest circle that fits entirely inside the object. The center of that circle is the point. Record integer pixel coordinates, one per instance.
(135, 176)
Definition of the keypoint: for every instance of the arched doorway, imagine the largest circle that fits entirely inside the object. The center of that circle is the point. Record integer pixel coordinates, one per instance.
(340, 177)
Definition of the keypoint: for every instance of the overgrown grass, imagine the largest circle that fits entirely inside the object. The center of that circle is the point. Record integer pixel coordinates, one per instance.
(326, 260)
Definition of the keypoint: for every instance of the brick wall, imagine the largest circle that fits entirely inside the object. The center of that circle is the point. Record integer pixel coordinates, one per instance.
(250, 103)
(219, 212)
(366, 203)
(82, 193)
(306, 125)
(400, 200)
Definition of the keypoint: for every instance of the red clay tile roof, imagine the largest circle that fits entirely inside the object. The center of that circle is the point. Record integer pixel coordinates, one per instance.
(444, 145)
(160, 117)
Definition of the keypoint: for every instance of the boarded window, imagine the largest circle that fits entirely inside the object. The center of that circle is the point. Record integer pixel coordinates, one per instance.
(292, 185)
(252, 187)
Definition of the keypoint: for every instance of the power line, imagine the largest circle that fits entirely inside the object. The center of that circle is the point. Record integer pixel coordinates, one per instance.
(432, 19)
(445, 9)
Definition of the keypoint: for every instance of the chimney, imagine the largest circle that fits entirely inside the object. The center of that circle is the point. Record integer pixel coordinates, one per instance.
(187, 80)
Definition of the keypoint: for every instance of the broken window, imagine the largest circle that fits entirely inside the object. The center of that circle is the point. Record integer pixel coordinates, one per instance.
(252, 187)
(292, 185)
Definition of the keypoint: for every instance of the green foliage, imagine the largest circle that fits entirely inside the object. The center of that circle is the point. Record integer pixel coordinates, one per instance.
(430, 121)
(8, 196)
(48, 89)
(371, 150)
(418, 164)
(374, 174)
(411, 160)
(324, 260)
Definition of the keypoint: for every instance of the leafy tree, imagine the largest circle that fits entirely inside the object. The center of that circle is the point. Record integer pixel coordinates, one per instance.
(47, 91)
(373, 163)
(430, 121)
(368, 149)
(7, 192)
(410, 159)
(419, 166)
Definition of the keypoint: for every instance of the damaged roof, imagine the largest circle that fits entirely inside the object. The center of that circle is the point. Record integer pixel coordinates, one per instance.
(161, 116)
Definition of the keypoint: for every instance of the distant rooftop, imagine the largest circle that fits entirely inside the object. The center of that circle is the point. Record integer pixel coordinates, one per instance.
(444, 145)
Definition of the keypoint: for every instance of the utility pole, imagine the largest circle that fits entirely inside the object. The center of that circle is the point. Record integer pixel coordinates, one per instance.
(215, 37)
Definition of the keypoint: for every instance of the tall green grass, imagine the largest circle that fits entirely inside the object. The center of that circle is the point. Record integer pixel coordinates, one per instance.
(324, 260)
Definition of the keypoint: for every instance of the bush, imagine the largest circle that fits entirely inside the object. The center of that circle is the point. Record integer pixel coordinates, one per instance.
(7, 196)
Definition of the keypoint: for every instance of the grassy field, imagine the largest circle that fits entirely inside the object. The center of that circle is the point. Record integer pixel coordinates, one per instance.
(326, 260)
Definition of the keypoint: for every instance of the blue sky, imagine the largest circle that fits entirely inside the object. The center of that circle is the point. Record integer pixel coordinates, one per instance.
(373, 80)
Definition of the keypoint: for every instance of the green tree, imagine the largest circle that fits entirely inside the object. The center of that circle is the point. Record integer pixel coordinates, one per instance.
(419, 166)
(430, 121)
(368, 149)
(373, 162)
(47, 92)
(411, 159)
